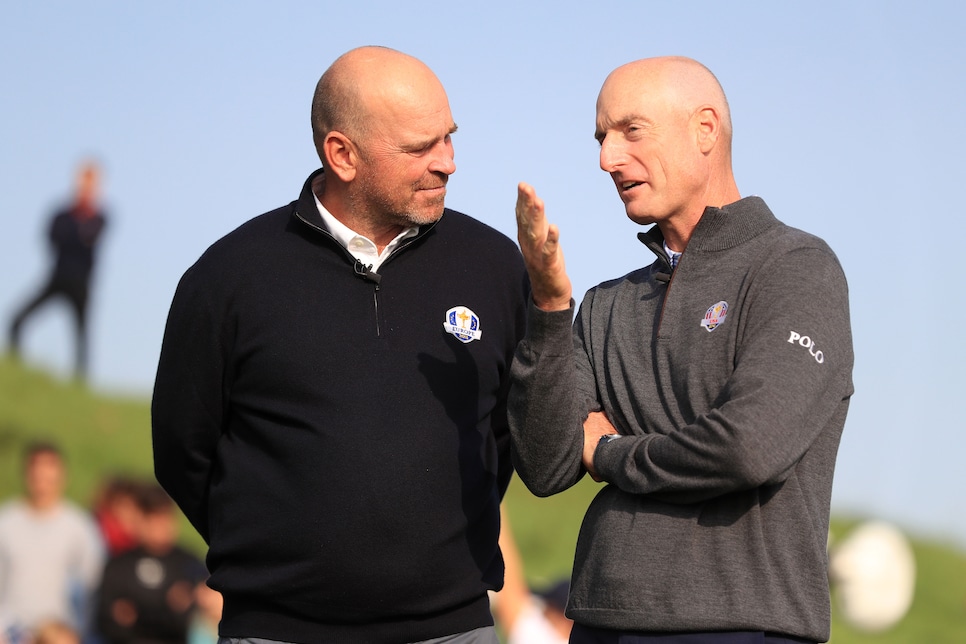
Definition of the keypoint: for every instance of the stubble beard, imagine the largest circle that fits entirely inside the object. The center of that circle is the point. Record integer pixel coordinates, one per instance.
(396, 207)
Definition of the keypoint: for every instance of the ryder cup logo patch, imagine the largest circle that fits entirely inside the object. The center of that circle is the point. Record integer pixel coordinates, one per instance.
(715, 316)
(462, 323)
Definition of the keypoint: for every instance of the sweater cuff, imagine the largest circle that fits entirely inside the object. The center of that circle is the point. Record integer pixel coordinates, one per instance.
(549, 328)
(610, 455)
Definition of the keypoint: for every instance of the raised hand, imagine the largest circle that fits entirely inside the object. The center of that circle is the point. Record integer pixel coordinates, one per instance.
(540, 245)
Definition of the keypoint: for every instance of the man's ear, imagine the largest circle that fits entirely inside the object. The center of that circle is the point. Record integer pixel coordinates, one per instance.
(707, 124)
(341, 154)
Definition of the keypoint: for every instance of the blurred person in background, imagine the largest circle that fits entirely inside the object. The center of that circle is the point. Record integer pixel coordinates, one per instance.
(204, 625)
(525, 616)
(73, 233)
(116, 512)
(51, 554)
(147, 593)
(55, 632)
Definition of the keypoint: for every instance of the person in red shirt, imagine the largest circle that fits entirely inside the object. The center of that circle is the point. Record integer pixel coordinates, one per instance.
(74, 233)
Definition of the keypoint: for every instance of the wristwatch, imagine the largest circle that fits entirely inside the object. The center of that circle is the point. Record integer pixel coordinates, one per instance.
(606, 438)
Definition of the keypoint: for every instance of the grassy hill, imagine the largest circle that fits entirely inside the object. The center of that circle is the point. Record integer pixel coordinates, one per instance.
(100, 435)
(104, 435)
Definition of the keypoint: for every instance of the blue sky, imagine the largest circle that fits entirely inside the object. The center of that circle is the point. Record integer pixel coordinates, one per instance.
(846, 122)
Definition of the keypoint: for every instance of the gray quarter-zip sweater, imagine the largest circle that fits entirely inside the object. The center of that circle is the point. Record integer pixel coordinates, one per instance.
(730, 384)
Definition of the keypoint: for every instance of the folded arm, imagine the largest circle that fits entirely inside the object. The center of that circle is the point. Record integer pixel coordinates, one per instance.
(781, 395)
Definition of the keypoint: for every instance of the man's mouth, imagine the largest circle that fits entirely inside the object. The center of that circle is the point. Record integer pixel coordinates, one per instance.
(437, 185)
(627, 185)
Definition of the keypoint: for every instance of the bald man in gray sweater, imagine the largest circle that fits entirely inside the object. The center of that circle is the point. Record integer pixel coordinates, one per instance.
(708, 390)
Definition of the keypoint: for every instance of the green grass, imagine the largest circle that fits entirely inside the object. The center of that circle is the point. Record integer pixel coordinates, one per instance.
(104, 435)
(938, 612)
(100, 435)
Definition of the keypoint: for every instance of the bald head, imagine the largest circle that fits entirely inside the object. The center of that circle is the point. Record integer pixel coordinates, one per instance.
(382, 127)
(684, 85)
(665, 133)
(365, 88)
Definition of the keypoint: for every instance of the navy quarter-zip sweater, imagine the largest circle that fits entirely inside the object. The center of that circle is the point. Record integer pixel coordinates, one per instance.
(343, 454)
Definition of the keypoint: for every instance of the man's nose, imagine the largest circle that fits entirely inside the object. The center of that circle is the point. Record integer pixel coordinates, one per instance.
(610, 155)
(443, 160)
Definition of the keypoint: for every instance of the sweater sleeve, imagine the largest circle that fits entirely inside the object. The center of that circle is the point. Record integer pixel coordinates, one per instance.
(189, 399)
(791, 376)
(500, 414)
(546, 423)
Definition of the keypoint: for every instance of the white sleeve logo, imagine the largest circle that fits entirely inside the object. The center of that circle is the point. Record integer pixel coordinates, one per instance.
(805, 341)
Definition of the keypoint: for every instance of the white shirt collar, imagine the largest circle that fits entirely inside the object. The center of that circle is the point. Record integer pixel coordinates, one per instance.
(360, 246)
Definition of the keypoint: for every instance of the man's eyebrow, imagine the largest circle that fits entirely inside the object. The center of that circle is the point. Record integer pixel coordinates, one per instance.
(623, 122)
(428, 142)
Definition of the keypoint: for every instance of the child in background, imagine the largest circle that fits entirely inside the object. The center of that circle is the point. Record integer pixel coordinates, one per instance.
(117, 513)
(147, 593)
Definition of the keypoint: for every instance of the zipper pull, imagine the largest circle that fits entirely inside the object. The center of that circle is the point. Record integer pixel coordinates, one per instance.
(365, 272)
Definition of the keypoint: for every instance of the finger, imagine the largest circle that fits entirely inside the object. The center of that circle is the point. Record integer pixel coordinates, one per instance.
(525, 192)
(552, 243)
(524, 199)
(529, 209)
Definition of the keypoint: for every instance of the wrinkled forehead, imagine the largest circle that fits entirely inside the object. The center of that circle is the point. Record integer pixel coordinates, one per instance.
(629, 96)
(418, 108)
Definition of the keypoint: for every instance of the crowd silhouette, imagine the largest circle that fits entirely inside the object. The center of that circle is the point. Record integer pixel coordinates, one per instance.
(112, 574)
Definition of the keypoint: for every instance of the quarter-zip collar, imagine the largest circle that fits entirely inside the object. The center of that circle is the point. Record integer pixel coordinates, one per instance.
(653, 238)
(718, 229)
(308, 214)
